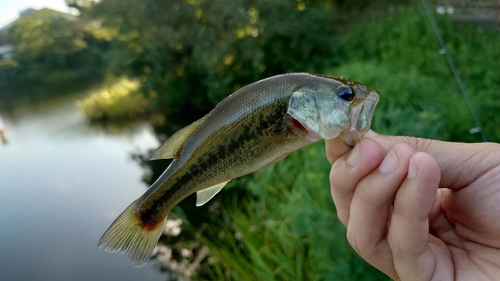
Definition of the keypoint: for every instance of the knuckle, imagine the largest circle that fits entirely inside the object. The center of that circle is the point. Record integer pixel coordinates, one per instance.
(337, 166)
(338, 182)
(400, 211)
(368, 246)
(343, 218)
(366, 196)
(489, 154)
(352, 238)
(419, 144)
(361, 243)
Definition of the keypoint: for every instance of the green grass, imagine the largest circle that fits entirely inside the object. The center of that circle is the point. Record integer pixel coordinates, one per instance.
(287, 229)
(413, 103)
(399, 56)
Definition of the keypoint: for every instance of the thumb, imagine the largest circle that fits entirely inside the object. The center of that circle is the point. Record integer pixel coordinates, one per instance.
(336, 148)
(460, 163)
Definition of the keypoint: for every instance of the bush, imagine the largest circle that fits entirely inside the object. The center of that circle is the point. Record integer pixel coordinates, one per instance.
(118, 100)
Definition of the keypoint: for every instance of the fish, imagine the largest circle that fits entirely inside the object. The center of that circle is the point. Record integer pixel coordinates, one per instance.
(251, 129)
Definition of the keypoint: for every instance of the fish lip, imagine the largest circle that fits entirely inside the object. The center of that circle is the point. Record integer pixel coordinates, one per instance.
(361, 117)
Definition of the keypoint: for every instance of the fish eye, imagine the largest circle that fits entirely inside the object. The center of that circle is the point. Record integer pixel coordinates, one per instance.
(345, 93)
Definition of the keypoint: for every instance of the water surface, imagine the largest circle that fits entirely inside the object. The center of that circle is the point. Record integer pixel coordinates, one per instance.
(61, 185)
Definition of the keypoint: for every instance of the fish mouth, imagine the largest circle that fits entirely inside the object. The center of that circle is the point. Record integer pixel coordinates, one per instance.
(302, 128)
(298, 125)
(361, 118)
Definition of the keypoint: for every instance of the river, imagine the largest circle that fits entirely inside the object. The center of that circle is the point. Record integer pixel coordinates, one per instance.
(62, 182)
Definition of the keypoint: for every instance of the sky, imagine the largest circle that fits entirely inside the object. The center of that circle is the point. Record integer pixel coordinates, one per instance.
(9, 9)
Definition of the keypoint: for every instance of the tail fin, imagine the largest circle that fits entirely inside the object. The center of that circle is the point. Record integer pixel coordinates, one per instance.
(128, 235)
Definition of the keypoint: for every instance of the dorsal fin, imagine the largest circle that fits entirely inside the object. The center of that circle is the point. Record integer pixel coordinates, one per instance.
(172, 147)
(203, 196)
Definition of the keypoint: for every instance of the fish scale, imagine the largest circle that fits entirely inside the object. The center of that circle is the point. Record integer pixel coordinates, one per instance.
(213, 163)
(254, 127)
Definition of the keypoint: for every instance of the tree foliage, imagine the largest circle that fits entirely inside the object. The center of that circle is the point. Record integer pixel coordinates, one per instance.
(50, 45)
(190, 52)
(45, 36)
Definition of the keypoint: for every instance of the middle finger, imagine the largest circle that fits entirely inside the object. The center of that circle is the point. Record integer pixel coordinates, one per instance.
(348, 170)
(371, 207)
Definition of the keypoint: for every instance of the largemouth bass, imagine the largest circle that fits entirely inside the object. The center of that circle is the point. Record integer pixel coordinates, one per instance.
(254, 127)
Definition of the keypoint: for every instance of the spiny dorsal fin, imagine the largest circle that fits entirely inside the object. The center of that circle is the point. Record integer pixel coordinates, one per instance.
(203, 196)
(172, 147)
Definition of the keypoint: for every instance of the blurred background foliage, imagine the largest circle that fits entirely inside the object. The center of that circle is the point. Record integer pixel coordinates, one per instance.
(49, 46)
(118, 99)
(181, 57)
(179, 48)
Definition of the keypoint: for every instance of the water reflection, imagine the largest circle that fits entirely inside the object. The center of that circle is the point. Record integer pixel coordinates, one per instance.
(3, 132)
(61, 184)
(179, 260)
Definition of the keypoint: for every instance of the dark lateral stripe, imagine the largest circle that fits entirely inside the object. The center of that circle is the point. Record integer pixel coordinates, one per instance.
(270, 121)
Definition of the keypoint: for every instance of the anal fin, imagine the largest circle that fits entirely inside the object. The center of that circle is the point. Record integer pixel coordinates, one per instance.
(203, 196)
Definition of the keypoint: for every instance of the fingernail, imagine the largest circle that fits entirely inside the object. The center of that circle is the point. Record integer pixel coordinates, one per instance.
(371, 134)
(353, 159)
(412, 169)
(390, 163)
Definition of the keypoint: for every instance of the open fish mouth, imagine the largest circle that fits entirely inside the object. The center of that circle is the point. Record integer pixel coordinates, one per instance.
(361, 118)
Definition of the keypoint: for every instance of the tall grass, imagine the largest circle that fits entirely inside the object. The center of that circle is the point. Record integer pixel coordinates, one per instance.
(399, 55)
(288, 229)
(413, 103)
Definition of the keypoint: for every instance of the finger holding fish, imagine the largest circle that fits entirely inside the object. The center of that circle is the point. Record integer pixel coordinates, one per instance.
(335, 148)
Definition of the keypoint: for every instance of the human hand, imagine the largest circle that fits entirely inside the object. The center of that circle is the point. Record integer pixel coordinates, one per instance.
(420, 209)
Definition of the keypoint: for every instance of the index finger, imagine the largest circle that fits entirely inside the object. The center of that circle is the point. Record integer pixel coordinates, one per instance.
(460, 163)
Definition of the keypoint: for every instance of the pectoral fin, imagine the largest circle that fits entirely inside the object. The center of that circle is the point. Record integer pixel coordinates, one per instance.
(172, 147)
(279, 159)
(203, 196)
(277, 138)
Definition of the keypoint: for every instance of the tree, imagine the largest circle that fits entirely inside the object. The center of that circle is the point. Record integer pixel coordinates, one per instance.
(194, 53)
(46, 36)
(43, 42)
